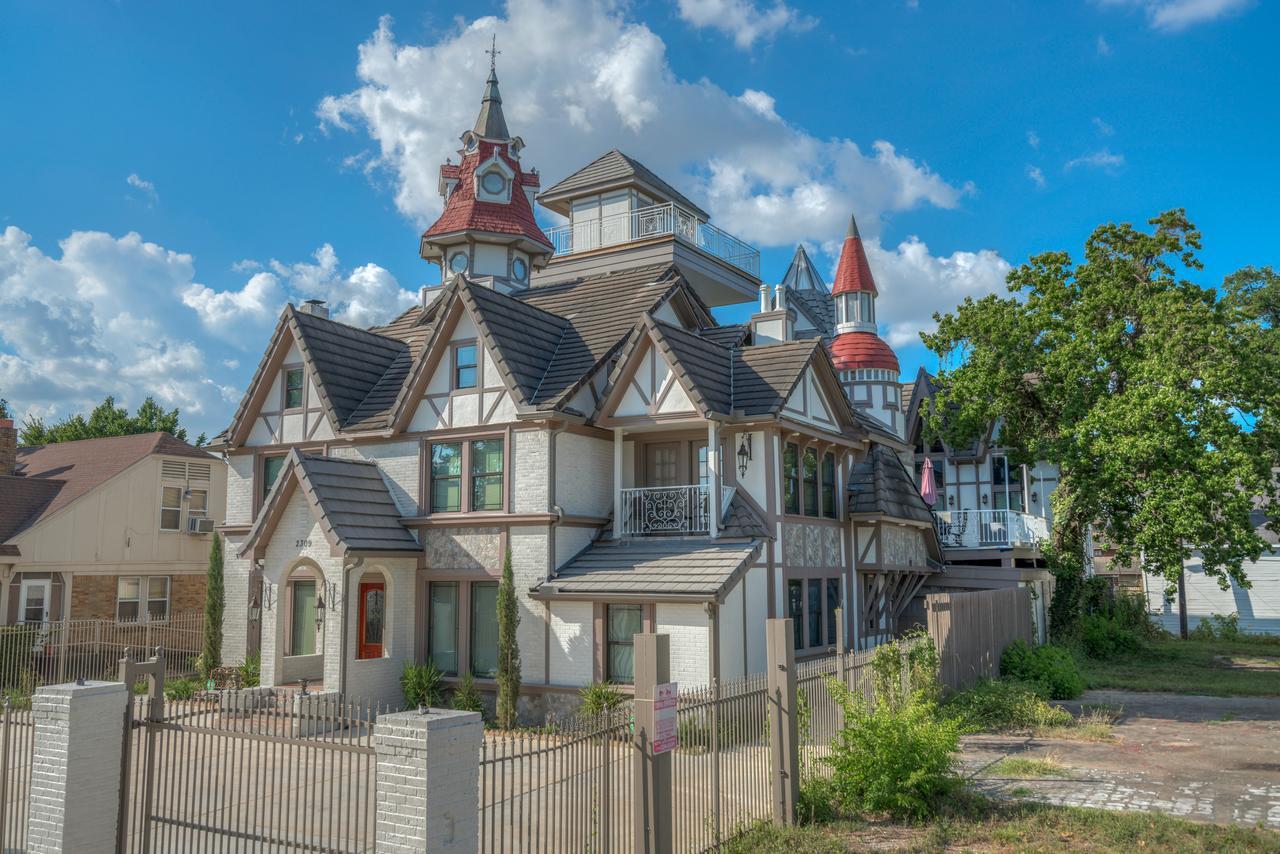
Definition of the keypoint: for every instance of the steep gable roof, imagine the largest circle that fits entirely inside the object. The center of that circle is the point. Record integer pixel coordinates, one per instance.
(347, 362)
(348, 497)
(611, 169)
(880, 485)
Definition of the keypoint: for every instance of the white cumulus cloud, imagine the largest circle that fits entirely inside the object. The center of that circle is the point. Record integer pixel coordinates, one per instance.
(1175, 15)
(744, 21)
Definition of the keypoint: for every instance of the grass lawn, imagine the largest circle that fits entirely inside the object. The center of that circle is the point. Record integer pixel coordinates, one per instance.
(1193, 667)
(979, 824)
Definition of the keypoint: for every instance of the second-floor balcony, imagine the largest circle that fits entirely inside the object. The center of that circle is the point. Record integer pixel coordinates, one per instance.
(585, 235)
(990, 529)
(670, 510)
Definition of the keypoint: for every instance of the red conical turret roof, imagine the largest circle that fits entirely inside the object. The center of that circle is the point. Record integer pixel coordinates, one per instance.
(853, 273)
(853, 350)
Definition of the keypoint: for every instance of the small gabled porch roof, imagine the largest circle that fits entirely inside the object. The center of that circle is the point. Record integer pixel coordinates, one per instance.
(658, 569)
(348, 498)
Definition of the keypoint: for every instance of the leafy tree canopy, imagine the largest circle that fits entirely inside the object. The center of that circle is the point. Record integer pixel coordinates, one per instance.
(106, 419)
(5, 411)
(1155, 396)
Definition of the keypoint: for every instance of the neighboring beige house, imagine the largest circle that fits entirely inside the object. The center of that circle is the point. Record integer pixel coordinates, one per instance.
(115, 528)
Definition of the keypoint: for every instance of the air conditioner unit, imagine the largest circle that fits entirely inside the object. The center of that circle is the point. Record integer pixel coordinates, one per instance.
(199, 525)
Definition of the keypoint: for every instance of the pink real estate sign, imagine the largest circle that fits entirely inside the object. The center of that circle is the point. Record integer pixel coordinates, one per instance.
(664, 718)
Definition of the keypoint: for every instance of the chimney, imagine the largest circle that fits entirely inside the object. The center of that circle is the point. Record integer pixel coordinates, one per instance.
(315, 308)
(765, 303)
(8, 446)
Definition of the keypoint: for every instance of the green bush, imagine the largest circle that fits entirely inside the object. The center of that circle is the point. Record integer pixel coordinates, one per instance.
(894, 759)
(1104, 638)
(1218, 627)
(422, 685)
(465, 696)
(817, 804)
(1050, 668)
(600, 697)
(914, 653)
(250, 670)
(1004, 704)
(181, 689)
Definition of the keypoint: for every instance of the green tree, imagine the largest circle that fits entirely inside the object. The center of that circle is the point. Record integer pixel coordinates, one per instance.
(106, 419)
(508, 649)
(1155, 397)
(5, 411)
(214, 603)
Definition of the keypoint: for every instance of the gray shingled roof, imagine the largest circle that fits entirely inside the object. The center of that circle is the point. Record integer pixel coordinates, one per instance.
(818, 307)
(613, 168)
(764, 376)
(491, 124)
(881, 485)
(525, 338)
(727, 336)
(742, 520)
(704, 365)
(801, 275)
(348, 362)
(654, 568)
(356, 509)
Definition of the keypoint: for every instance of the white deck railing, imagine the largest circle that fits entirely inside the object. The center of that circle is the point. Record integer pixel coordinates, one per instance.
(983, 529)
(655, 221)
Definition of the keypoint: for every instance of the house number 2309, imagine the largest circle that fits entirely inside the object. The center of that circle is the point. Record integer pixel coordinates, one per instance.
(303, 544)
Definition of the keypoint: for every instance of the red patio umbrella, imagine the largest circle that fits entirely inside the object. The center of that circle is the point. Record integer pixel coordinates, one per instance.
(927, 490)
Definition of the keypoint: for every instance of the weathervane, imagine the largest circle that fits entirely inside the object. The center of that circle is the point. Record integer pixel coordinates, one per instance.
(493, 53)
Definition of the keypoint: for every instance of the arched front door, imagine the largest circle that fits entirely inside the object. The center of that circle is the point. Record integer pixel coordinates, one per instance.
(373, 599)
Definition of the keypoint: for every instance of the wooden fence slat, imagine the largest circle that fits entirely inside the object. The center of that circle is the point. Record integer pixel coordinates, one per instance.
(971, 631)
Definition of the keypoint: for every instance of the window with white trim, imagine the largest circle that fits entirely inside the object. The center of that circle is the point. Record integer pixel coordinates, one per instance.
(142, 598)
(170, 508)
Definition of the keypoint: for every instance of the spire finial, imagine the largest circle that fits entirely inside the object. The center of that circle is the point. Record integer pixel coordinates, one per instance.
(853, 228)
(493, 53)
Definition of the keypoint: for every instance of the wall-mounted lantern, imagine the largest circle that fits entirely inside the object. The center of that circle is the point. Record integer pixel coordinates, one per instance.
(744, 454)
(319, 613)
(255, 610)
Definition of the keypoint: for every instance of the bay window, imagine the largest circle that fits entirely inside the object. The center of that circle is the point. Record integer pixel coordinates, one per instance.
(467, 476)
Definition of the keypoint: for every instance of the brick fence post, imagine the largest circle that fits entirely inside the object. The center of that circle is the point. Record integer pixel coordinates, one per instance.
(75, 768)
(428, 781)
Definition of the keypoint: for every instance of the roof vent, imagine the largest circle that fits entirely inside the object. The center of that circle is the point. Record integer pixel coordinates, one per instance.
(315, 308)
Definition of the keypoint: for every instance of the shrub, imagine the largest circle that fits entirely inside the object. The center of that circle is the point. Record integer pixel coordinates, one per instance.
(422, 685)
(1218, 627)
(465, 696)
(1104, 637)
(250, 670)
(1051, 668)
(817, 804)
(180, 689)
(600, 697)
(894, 759)
(917, 656)
(1004, 704)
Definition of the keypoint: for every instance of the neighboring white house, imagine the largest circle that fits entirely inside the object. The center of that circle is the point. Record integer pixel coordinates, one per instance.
(113, 529)
(567, 399)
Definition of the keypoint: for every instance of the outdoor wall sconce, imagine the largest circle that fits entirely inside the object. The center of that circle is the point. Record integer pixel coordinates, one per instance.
(951, 501)
(255, 610)
(984, 499)
(744, 454)
(319, 613)
(1035, 496)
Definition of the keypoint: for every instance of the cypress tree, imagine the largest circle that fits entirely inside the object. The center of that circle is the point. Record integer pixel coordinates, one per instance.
(508, 650)
(214, 600)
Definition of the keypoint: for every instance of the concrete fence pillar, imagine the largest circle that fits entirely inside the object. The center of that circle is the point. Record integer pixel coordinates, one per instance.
(75, 768)
(784, 729)
(428, 781)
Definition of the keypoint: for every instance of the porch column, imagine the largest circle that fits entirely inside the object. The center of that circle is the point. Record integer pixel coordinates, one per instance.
(617, 483)
(713, 477)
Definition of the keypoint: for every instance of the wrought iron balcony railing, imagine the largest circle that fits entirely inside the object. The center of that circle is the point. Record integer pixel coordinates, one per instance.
(984, 529)
(665, 510)
(655, 221)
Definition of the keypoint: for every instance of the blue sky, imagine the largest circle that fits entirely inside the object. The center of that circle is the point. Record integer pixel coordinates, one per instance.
(171, 174)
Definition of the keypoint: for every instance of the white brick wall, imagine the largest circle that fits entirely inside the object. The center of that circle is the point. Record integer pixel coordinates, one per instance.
(399, 463)
(529, 566)
(690, 642)
(378, 680)
(572, 643)
(240, 489)
(530, 471)
(584, 475)
(235, 613)
(75, 773)
(428, 781)
(570, 541)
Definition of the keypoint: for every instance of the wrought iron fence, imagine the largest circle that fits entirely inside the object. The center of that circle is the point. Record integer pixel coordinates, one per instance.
(254, 769)
(36, 654)
(17, 744)
(721, 771)
(655, 221)
(566, 787)
(665, 510)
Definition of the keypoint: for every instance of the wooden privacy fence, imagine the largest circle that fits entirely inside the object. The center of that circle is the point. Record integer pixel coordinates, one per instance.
(973, 629)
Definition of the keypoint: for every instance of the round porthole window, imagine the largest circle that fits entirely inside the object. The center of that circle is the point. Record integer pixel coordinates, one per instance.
(519, 269)
(493, 183)
(458, 262)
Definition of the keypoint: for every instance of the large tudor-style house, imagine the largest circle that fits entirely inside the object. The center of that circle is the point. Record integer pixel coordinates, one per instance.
(566, 399)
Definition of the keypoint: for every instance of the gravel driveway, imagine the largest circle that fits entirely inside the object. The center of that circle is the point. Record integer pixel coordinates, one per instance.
(1205, 758)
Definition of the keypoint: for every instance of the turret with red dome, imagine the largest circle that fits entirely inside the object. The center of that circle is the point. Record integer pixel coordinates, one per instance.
(867, 365)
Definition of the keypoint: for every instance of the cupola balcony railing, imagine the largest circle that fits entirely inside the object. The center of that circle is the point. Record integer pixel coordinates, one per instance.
(655, 221)
(986, 529)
